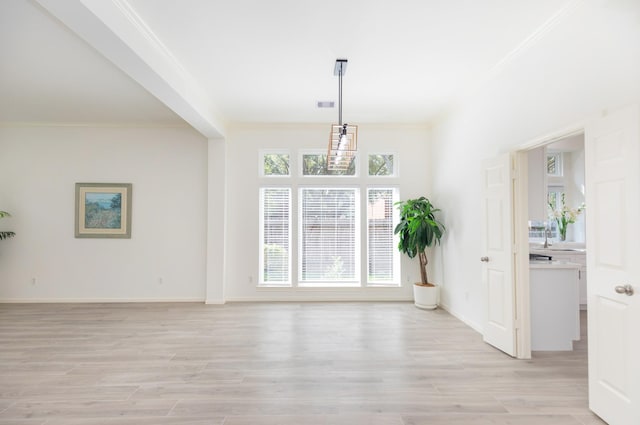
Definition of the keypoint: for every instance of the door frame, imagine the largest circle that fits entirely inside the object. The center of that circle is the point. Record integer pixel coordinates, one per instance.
(521, 234)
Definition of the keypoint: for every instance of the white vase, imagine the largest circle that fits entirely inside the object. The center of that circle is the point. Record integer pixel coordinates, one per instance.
(425, 297)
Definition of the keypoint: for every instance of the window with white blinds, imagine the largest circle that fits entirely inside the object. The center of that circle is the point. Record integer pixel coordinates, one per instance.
(329, 236)
(383, 257)
(275, 235)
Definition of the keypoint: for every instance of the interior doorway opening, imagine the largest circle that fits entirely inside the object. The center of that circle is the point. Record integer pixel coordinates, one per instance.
(550, 195)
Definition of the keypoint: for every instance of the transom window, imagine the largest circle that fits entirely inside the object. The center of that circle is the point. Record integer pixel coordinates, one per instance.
(381, 165)
(315, 164)
(554, 164)
(275, 164)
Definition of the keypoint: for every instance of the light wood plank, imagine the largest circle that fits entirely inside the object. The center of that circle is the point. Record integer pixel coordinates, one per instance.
(273, 363)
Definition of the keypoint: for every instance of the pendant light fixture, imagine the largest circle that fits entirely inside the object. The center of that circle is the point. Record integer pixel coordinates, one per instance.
(343, 141)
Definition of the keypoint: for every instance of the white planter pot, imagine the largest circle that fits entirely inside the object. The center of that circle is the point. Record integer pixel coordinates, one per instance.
(426, 297)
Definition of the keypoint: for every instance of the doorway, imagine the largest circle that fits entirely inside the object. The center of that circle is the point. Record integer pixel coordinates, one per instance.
(556, 226)
(561, 154)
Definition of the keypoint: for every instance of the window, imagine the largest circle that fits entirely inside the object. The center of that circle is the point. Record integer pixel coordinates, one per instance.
(275, 234)
(328, 239)
(315, 164)
(343, 232)
(537, 228)
(554, 194)
(383, 257)
(554, 164)
(381, 165)
(275, 164)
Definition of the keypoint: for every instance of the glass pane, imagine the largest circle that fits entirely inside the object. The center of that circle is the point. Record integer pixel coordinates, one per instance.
(553, 200)
(551, 164)
(554, 164)
(380, 165)
(275, 235)
(554, 195)
(537, 229)
(315, 164)
(276, 164)
(328, 235)
(382, 255)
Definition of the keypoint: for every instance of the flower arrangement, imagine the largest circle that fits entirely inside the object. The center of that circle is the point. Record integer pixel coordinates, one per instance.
(564, 216)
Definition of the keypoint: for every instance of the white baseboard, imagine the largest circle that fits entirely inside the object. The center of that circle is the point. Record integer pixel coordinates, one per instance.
(215, 302)
(316, 298)
(97, 300)
(473, 325)
(275, 297)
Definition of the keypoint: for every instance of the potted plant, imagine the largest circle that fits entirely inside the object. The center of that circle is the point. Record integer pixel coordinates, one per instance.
(419, 229)
(5, 234)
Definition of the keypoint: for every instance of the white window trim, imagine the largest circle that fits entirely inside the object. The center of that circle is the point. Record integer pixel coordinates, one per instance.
(357, 280)
(397, 279)
(295, 181)
(261, 282)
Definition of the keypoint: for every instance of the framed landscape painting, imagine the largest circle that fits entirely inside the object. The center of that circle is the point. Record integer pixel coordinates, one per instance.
(103, 210)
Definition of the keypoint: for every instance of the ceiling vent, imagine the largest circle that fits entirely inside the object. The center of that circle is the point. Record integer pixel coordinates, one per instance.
(326, 104)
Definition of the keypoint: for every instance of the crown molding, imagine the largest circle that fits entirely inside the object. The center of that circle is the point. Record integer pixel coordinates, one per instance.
(535, 36)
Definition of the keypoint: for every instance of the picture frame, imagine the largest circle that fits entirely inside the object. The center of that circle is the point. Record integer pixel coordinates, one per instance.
(103, 210)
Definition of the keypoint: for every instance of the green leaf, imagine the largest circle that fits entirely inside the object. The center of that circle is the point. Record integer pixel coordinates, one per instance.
(6, 235)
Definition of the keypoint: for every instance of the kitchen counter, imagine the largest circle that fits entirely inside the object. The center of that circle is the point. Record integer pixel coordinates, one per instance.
(553, 264)
(558, 246)
(567, 252)
(553, 251)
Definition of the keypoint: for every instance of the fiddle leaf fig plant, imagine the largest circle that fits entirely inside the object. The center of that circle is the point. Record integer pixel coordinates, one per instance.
(5, 234)
(418, 229)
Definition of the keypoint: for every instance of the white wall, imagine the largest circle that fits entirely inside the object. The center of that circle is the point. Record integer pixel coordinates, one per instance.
(537, 184)
(216, 221)
(168, 170)
(590, 62)
(411, 146)
(576, 191)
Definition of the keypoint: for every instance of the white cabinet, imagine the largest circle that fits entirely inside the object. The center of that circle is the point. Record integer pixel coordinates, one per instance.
(582, 282)
(578, 257)
(555, 313)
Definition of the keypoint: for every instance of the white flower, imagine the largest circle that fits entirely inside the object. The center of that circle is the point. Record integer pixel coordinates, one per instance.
(564, 215)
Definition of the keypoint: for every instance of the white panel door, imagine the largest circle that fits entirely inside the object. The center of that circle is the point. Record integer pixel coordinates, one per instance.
(612, 152)
(497, 253)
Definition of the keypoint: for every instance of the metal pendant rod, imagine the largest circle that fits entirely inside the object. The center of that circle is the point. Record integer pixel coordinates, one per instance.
(340, 98)
(340, 69)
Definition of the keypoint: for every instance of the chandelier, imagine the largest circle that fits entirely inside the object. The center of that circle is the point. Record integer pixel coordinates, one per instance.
(343, 141)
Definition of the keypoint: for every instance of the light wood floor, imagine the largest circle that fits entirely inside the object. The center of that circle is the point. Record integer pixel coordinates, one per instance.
(276, 363)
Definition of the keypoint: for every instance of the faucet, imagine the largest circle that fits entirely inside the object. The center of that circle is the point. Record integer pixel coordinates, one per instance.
(547, 233)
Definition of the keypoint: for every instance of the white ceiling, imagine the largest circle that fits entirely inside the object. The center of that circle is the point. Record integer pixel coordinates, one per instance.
(249, 61)
(49, 75)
